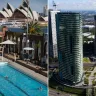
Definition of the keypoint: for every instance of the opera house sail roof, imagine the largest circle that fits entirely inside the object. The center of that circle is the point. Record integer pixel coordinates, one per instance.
(7, 12)
(21, 12)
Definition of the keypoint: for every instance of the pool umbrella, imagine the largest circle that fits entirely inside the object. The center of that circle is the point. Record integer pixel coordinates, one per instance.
(28, 48)
(8, 42)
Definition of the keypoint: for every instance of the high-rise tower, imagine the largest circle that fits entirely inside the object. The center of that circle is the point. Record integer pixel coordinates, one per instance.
(52, 34)
(69, 41)
(53, 26)
(95, 36)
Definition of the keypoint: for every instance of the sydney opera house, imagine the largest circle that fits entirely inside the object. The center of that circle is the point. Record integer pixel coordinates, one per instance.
(22, 12)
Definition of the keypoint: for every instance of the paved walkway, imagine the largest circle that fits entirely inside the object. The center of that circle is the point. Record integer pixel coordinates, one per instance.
(27, 71)
(29, 65)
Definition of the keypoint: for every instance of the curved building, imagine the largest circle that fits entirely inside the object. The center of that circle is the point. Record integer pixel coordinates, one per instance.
(41, 18)
(21, 12)
(10, 7)
(7, 12)
(69, 41)
(3, 14)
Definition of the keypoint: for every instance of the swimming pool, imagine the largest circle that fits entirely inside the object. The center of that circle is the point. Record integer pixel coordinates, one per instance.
(15, 83)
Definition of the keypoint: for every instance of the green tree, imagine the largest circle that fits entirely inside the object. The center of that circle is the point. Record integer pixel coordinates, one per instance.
(34, 28)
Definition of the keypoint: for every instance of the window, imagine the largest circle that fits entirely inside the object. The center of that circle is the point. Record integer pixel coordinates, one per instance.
(72, 70)
(71, 44)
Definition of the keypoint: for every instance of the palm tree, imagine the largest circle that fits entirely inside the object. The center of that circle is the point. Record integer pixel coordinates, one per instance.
(33, 28)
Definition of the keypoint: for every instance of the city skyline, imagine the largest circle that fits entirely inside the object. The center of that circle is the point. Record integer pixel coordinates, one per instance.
(76, 4)
(33, 4)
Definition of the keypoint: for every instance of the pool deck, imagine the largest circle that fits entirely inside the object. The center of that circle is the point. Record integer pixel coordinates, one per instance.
(30, 65)
(27, 71)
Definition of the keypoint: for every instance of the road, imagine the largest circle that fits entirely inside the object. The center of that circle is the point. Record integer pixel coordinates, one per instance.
(55, 93)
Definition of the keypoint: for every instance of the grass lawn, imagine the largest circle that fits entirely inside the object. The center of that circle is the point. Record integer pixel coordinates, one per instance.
(88, 68)
(86, 60)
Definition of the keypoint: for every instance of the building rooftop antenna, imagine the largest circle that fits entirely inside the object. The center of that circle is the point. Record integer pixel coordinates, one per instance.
(54, 5)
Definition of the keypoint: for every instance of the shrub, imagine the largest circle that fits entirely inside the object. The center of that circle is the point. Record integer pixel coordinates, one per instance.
(55, 59)
(94, 91)
(86, 60)
(95, 74)
(87, 74)
(86, 81)
(93, 82)
(50, 59)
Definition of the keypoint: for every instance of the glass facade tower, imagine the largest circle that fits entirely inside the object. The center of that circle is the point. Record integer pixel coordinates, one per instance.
(69, 42)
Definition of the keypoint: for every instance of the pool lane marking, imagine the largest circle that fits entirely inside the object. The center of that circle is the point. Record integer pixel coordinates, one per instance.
(4, 87)
(14, 85)
(17, 70)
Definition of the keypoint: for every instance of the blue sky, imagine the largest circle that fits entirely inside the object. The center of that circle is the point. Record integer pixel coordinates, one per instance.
(36, 5)
(74, 4)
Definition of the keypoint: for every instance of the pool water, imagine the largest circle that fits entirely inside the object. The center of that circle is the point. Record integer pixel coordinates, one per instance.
(15, 83)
